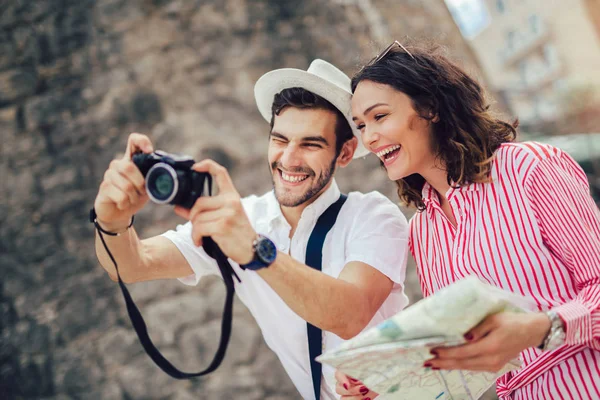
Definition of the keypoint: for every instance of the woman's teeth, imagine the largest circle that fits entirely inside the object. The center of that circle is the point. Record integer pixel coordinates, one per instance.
(381, 154)
(293, 178)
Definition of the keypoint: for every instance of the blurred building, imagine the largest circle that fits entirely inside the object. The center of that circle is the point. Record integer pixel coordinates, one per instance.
(542, 57)
(594, 10)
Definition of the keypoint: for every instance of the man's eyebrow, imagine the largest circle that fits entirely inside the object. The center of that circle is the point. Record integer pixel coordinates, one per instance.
(369, 109)
(278, 135)
(319, 139)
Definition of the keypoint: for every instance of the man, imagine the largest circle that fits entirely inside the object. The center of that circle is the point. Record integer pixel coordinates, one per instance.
(364, 254)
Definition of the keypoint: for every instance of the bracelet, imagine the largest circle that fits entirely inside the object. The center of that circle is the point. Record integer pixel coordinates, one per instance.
(94, 220)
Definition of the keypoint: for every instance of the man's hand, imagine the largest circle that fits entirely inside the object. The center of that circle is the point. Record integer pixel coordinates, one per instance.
(221, 217)
(499, 339)
(122, 192)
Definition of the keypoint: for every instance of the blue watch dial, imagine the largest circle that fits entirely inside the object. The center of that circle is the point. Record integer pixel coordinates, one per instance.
(266, 251)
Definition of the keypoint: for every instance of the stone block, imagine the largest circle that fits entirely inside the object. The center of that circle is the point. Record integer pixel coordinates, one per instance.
(7, 50)
(142, 379)
(165, 317)
(17, 85)
(118, 346)
(53, 109)
(117, 16)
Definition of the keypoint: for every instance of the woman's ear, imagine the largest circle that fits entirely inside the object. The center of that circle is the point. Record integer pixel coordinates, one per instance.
(435, 118)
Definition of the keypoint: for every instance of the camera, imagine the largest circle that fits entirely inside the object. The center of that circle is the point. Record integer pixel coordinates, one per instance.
(170, 179)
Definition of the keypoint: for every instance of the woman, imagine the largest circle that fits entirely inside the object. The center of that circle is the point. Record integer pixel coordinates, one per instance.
(517, 215)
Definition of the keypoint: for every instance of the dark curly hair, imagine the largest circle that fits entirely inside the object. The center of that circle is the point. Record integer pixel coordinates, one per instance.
(301, 98)
(467, 133)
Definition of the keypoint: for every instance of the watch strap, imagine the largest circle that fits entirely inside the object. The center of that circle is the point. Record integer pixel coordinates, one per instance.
(556, 335)
(256, 263)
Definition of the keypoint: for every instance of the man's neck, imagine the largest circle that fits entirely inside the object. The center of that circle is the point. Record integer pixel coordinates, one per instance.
(292, 214)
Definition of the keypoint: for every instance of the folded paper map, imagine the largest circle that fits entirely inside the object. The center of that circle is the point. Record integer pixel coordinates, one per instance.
(389, 357)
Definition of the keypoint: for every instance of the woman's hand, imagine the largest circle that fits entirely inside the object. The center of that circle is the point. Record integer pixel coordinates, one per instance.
(499, 339)
(352, 389)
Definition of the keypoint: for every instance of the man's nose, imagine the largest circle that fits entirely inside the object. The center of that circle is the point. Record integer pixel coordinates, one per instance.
(291, 157)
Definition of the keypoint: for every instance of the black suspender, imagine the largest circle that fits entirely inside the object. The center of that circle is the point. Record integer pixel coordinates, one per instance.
(314, 258)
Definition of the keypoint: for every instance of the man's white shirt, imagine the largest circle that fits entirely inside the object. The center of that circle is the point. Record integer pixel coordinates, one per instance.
(369, 228)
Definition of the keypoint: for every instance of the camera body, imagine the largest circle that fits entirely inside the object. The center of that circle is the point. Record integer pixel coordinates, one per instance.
(170, 179)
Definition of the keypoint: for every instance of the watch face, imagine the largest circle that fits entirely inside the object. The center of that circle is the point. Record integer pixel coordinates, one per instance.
(266, 250)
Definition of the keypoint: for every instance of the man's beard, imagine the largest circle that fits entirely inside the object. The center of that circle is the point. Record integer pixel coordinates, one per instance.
(294, 200)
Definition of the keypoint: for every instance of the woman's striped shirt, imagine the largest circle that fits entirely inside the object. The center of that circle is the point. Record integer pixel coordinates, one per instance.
(533, 230)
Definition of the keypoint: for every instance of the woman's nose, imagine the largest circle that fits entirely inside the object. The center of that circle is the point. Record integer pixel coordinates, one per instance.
(369, 137)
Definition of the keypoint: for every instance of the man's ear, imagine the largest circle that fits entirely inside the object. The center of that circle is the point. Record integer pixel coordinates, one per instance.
(347, 152)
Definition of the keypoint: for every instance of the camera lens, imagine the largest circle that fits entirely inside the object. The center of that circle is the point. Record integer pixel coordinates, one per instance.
(162, 183)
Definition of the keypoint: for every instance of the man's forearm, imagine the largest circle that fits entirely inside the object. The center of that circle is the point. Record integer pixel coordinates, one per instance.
(126, 249)
(331, 304)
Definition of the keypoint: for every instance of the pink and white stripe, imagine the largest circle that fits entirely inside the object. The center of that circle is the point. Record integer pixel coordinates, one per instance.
(534, 230)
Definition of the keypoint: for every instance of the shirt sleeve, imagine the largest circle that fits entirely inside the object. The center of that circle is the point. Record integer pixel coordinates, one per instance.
(379, 237)
(569, 221)
(200, 262)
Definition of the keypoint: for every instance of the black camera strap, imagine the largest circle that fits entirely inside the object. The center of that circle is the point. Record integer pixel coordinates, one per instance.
(227, 272)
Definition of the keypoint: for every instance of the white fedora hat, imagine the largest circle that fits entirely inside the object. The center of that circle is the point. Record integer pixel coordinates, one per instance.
(321, 78)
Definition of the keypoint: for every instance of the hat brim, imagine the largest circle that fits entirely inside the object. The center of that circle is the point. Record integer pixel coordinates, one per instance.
(274, 82)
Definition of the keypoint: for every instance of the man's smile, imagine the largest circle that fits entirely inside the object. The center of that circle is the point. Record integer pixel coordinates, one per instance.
(292, 178)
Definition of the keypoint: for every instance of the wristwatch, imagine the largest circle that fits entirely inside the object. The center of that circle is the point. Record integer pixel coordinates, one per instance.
(556, 335)
(265, 253)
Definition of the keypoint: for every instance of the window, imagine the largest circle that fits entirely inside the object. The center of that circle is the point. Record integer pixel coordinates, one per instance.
(510, 39)
(550, 55)
(534, 23)
(537, 105)
(523, 72)
(559, 84)
(501, 6)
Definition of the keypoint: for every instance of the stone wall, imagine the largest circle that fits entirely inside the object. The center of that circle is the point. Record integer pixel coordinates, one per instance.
(76, 76)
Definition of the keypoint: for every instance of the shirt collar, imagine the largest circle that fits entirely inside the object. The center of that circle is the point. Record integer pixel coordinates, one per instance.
(429, 195)
(322, 202)
(317, 207)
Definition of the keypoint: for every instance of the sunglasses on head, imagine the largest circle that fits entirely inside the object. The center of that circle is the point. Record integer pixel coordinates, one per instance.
(381, 55)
